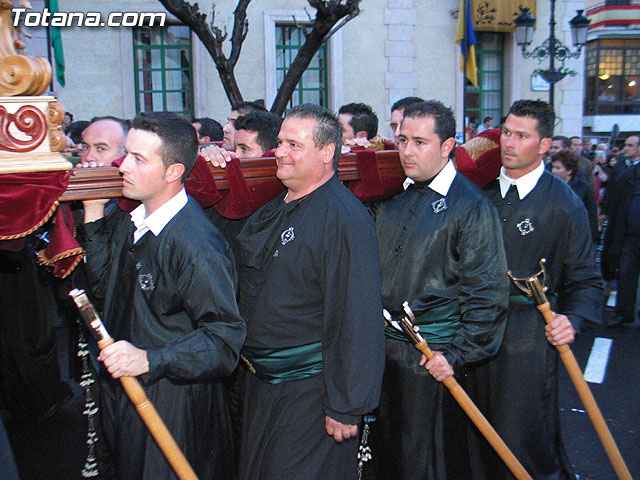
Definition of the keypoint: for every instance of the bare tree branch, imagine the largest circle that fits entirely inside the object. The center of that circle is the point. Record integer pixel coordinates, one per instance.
(331, 15)
(328, 14)
(213, 38)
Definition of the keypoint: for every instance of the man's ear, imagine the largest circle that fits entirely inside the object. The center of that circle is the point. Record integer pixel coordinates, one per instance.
(174, 172)
(447, 146)
(328, 150)
(361, 134)
(545, 145)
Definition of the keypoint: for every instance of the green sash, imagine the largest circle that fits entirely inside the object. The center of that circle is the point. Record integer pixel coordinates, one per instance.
(526, 300)
(437, 325)
(276, 365)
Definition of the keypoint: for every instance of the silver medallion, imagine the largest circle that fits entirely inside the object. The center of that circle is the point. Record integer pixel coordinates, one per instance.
(146, 281)
(525, 227)
(287, 235)
(439, 205)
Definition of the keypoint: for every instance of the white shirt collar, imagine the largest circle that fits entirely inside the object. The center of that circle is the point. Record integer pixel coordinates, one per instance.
(441, 182)
(524, 184)
(158, 219)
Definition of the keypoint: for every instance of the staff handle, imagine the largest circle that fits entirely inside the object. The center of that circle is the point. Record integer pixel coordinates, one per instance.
(136, 394)
(155, 424)
(479, 420)
(589, 402)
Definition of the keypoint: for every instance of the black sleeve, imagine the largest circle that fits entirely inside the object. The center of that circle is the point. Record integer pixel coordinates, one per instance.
(353, 337)
(483, 292)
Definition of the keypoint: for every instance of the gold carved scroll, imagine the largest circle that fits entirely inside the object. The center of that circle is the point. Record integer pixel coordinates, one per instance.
(498, 15)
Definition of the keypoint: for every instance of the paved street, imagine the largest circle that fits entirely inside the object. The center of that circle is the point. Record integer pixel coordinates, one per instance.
(56, 449)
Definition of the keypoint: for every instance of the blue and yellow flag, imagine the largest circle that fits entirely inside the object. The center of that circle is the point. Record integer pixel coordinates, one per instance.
(466, 38)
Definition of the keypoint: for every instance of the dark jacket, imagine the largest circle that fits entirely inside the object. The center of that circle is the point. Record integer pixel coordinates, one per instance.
(584, 192)
(620, 198)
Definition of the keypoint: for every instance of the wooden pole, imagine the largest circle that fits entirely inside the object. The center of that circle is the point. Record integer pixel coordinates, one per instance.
(138, 397)
(470, 408)
(581, 386)
(479, 420)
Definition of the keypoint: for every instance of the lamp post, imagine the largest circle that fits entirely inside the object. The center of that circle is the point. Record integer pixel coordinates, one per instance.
(551, 48)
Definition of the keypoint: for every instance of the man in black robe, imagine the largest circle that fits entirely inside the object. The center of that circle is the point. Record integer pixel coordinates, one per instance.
(541, 218)
(441, 250)
(168, 283)
(310, 294)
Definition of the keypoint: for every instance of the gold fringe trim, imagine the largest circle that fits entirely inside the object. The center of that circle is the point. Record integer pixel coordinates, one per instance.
(35, 227)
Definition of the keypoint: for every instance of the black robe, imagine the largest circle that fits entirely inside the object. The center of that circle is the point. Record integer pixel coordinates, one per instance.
(309, 273)
(174, 296)
(435, 249)
(519, 393)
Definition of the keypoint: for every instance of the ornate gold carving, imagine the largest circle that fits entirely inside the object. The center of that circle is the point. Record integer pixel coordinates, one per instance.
(55, 116)
(19, 74)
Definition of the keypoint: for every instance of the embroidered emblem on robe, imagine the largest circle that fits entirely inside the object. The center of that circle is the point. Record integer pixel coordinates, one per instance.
(146, 281)
(525, 227)
(439, 205)
(287, 235)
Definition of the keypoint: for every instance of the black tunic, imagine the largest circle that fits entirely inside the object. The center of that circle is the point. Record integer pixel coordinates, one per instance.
(310, 273)
(520, 392)
(174, 296)
(435, 249)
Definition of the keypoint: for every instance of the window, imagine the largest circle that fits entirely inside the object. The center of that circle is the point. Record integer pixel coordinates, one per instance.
(485, 100)
(613, 70)
(163, 69)
(312, 87)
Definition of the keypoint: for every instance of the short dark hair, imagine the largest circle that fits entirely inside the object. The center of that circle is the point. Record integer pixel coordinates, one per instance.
(266, 124)
(328, 127)
(75, 129)
(568, 159)
(363, 118)
(444, 121)
(566, 143)
(179, 138)
(124, 124)
(209, 128)
(486, 119)
(247, 107)
(539, 110)
(405, 102)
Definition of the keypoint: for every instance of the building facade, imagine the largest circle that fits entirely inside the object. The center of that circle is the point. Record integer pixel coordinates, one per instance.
(393, 49)
(612, 69)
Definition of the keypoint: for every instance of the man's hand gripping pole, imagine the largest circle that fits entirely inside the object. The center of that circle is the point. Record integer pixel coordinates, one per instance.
(145, 408)
(532, 287)
(412, 331)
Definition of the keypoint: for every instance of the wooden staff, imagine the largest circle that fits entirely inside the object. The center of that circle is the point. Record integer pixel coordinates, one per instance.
(412, 331)
(145, 408)
(536, 290)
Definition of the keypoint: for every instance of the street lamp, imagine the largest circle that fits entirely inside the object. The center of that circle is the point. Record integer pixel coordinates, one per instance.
(551, 48)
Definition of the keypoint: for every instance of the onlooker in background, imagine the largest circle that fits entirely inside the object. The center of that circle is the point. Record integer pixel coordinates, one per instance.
(622, 238)
(358, 121)
(487, 124)
(74, 132)
(558, 143)
(208, 130)
(66, 121)
(397, 111)
(565, 166)
(470, 131)
(587, 149)
(585, 164)
(237, 111)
